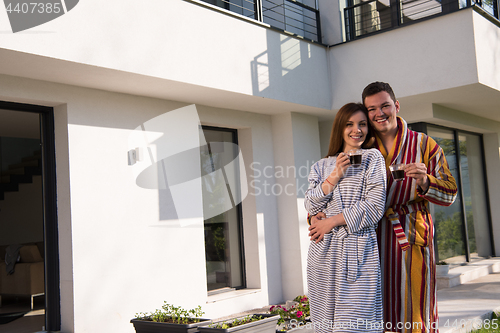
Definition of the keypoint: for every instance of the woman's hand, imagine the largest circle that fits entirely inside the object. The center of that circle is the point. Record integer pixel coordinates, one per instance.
(341, 165)
(319, 228)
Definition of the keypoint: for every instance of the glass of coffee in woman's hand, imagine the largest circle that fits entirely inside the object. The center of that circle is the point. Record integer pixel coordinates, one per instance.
(398, 171)
(355, 156)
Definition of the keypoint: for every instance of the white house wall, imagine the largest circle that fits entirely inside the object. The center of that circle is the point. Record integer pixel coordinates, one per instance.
(117, 255)
(306, 146)
(416, 59)
(332, 20)
(296, 148)
(175, 41)
(487, 43)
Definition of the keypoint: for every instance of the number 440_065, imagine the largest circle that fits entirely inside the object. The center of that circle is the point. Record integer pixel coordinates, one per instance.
(34, 7)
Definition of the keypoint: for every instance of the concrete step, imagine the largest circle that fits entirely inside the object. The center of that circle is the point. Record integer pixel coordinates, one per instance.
(467, 306)
(458, 274)
(35, 156)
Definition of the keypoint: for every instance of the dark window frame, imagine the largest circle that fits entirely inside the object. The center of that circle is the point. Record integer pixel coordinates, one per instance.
(234, 133)
(50, 223)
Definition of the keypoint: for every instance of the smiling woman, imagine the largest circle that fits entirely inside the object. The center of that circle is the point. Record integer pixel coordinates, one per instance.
(343, 268)
(355, 131)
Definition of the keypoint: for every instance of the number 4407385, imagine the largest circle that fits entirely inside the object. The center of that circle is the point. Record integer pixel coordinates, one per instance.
(476, 323)
(35, 7)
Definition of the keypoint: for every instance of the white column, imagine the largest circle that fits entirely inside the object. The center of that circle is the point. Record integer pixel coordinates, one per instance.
(296, 148)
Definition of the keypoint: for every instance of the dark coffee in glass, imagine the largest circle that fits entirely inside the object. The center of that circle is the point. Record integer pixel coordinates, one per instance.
(355, 156)
(398, 175)
(355, 159)
(397, 171)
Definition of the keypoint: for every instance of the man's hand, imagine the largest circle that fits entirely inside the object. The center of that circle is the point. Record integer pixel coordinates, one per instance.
(418, 171)
(317, 217)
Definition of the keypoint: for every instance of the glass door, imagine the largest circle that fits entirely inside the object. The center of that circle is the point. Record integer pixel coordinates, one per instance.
(222, 210)
(463, 230)
(474, 193)
(449, 221)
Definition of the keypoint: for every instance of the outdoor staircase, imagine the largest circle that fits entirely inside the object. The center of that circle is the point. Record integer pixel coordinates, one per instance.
(460, 274)
(20, 173)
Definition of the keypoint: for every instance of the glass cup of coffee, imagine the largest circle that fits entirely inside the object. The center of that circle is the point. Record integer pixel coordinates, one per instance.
(398, 171)
(355, 156)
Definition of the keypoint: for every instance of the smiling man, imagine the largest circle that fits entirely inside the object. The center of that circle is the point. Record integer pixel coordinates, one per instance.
(406, 232)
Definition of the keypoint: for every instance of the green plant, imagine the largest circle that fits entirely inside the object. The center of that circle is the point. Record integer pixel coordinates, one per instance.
(296, 313)
(172, 314)
(442, 262)
(488, 325)
(235, 322)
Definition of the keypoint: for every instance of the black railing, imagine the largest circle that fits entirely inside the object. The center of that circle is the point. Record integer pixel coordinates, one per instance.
(292, 16)
(367, 17)
(246, 8)
(300, 18)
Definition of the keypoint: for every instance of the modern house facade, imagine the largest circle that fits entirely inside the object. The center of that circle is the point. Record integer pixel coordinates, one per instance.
(176, 138)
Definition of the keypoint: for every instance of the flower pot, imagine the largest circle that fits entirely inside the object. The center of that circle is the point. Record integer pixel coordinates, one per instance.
(265, 325)
(146, 326)
(442, 270)
(294, 326)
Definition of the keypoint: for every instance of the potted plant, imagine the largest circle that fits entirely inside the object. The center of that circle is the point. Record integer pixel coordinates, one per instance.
(170, 319)
(442, 268)
(292, 316)
(262, 323)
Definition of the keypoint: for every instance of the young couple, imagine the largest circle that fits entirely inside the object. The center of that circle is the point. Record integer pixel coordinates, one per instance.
(371, 235)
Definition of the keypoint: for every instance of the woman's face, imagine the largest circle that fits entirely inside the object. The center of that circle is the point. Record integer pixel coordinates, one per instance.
(355, 131)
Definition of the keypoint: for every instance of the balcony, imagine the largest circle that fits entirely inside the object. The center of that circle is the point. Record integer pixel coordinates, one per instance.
(298, 17)
(367, 17)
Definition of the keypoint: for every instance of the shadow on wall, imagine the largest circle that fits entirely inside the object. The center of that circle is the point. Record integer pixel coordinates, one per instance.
(195, 178)
(286, 69)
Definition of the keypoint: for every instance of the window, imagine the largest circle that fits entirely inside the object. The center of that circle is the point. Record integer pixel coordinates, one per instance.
(364, 17)
(222, 210)
(463, 230)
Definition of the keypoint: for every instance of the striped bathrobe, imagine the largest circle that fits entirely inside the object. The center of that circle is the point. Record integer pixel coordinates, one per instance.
(409, 277)
(343, 270)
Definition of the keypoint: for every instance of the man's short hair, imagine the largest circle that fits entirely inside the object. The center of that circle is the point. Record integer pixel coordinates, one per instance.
(376, 87)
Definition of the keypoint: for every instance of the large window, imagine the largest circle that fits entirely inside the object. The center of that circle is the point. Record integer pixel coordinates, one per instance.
(463, 230)
(222, 210)
(363, 17)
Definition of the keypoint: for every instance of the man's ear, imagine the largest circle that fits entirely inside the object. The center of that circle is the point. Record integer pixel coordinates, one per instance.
(397, 106)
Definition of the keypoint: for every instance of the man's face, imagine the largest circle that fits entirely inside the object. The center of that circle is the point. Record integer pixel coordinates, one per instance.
(382, 112)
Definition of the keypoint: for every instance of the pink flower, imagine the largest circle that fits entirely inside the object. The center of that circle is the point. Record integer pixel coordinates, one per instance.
(272, 307)
(304, 299)
(299, 314)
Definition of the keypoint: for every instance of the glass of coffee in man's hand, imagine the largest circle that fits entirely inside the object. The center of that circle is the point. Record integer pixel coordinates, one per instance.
(355, 156)
(398, 171)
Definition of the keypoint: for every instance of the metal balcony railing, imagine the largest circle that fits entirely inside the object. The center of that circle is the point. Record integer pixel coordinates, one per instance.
(299, 17)
(365, 17)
